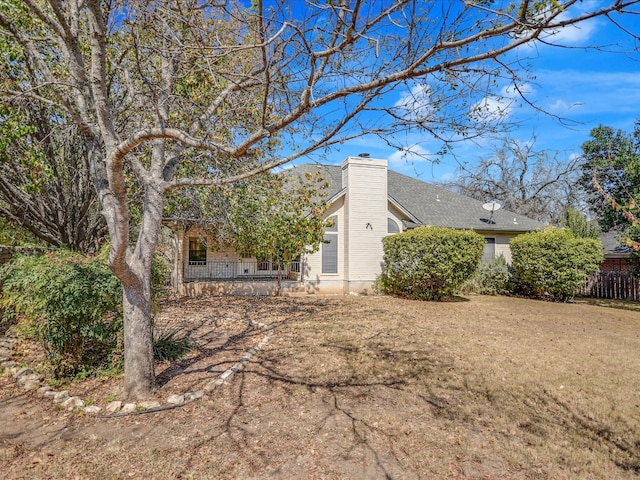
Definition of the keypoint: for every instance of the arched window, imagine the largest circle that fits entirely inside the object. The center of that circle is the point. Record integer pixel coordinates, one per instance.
(392, 226)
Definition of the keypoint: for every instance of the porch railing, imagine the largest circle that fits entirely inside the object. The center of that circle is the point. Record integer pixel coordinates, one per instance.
(235, 270)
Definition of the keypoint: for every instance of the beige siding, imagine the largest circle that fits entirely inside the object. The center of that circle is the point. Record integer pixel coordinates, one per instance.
(312, 263)
(396, 215)
(502, 243)
(366, 217)
(362, 223)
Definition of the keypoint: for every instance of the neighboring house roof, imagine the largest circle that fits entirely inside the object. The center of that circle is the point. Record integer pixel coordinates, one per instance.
(612, 247)
(428, 204)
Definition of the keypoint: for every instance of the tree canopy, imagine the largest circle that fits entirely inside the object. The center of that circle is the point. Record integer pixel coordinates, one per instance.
(185, 93)
(279, 219)
(611, 178)
(533, 183)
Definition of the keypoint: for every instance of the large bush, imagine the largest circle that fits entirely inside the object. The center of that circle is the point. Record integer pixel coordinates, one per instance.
(554, 263)
(71, 304)
(429, 263)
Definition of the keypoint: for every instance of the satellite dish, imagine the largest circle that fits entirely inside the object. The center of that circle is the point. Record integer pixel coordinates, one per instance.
(491, 206)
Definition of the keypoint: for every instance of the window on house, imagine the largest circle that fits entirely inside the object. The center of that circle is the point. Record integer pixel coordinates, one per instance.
(330, 247)
(392, 226)
(197, 251)
(489, 249)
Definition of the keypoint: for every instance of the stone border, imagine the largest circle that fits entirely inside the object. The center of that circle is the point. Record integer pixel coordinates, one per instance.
(30, 381)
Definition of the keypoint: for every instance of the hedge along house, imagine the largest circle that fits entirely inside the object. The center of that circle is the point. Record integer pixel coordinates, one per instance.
(366, 202)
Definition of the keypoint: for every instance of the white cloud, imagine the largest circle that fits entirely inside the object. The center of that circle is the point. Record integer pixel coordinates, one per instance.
(416, 104)
(492, 108)
(575, 35)
(571, 34)
(497, 107)
(414, 153)
(514, 91)
(561, 107)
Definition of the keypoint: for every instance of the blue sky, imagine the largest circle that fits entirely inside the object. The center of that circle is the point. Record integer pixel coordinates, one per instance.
(585, 86)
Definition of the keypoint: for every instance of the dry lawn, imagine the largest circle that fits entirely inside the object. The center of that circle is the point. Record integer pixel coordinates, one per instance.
(361, 388)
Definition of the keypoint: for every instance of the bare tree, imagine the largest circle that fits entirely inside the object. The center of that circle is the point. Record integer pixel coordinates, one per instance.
(533, 183)
(173, 94)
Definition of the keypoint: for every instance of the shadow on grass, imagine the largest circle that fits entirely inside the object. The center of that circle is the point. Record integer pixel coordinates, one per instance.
(610, 303)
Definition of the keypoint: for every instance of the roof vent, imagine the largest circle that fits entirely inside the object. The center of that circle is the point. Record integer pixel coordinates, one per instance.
(363, 155)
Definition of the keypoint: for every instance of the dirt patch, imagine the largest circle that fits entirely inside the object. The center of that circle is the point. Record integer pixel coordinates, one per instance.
(362, 388)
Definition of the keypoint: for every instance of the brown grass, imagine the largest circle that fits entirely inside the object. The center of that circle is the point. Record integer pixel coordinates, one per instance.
(364, 388)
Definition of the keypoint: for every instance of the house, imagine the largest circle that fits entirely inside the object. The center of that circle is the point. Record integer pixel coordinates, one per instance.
(617, 257)
(367, 202)
(615, 279)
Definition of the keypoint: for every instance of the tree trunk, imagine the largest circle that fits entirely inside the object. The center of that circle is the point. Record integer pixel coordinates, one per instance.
(139, 375)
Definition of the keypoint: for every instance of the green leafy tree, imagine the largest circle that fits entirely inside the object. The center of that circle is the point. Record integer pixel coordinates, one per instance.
(611, 165)
(611, 178)
(45, 183)
(176, 94)
(279, 218)
(578, 224)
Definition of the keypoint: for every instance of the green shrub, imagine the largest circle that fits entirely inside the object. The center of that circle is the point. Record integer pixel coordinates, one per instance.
(72, 304)
(429, 263)
(490, 278)
(554, 263)
(170, 343)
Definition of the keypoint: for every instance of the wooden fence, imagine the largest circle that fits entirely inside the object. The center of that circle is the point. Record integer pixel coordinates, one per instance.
(616, 285)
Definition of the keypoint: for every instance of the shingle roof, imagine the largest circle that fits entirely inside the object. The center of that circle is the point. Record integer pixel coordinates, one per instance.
(612, 246)
(432, 204)
(331, 173)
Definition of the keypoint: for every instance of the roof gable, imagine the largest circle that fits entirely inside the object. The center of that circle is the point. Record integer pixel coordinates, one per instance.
(430, 204)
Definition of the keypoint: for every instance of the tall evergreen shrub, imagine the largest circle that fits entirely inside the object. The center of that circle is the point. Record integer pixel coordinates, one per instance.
(429, 263)
(554, 263)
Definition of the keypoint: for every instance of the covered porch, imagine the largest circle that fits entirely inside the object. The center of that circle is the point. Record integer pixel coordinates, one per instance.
(239, 270)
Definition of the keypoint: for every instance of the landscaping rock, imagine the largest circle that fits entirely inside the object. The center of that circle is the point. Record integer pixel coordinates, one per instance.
(49, 394)
(30, 378)
(213, 385)
(175, 399)
(128, 408)
(60, 396)
(31, 385)
(43, 390)
(8, 364)
(22, 371)
(72, 402)
(92, 409)
(193, 395)
(148, 405)
(114, 406)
